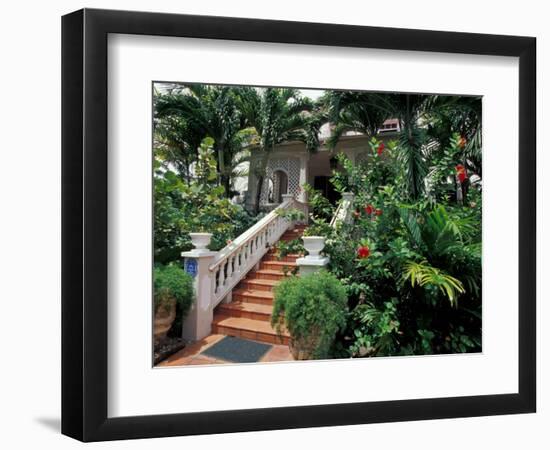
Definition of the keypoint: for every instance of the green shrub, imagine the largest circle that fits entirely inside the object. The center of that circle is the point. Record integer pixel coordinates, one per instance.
(172, 283)
(284, 248)
(315, 303)
(182, 207)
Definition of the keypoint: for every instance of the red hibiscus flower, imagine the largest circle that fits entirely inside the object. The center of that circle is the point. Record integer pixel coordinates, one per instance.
(363, 252)
(461, 172)
(369, 209)
(381, 147)
(378, 212)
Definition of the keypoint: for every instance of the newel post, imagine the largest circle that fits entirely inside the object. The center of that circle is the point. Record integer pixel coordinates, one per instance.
(198, 323)
(313, 261)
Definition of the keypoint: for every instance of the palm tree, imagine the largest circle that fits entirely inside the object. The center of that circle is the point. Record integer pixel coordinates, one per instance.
(278, 115)
(462, 115)
(176, 142)
(211, 111)
(365, 112)
(354, 111)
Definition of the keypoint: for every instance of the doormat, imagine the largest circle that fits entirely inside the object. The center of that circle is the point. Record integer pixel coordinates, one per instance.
(237, 350)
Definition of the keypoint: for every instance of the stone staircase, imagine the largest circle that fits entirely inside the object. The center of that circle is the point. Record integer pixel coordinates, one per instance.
(248, 315)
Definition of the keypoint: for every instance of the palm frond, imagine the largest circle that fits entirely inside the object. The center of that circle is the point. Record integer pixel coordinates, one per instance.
(422, 274)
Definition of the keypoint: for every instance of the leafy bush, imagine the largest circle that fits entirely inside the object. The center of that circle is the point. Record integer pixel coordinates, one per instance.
(319, 206)
(284, 248)
(185, 207)
(312, 306)
(412, 270)
(172, 284)
(291, 214)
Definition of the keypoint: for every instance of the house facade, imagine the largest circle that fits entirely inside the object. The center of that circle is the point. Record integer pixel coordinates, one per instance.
(291, 165)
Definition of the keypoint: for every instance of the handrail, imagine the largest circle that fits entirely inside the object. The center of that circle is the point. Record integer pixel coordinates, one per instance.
(236, 259)
(246, 236)
(343, 211)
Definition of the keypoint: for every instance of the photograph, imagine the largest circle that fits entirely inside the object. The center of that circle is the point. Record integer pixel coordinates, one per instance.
(296, 224)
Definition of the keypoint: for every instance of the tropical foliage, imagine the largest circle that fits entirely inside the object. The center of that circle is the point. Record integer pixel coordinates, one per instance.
(182, 207)
(412, 269)
(405, 271)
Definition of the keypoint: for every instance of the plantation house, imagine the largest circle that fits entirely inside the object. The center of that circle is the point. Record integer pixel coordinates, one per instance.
(291, 165)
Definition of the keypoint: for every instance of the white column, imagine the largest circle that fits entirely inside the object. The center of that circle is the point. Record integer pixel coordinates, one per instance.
(303, 177)
(198, 323)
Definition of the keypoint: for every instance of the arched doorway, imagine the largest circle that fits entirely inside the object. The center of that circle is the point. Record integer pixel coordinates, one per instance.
(280, 185)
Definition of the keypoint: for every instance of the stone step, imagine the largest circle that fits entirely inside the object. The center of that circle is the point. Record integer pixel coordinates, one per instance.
(247, 310)
(277, 265)
(256, 330)
(266, 274)
(253, 296)
(285, 238)
(258, 284)
(286, 258)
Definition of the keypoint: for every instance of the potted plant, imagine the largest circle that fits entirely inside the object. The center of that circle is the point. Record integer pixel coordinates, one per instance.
(313, 309)
(173, 289)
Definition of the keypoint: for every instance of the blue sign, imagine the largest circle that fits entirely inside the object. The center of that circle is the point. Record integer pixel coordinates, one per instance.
(191, 266)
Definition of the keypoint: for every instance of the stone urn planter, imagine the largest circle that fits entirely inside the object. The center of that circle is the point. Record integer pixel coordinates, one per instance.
(304, 348)
(164, 318)
(314, 245)
(201, 241)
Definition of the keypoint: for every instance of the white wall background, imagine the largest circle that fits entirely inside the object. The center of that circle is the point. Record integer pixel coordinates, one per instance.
(30, 221)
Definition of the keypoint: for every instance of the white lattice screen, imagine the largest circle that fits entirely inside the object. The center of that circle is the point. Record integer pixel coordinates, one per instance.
(292, 168)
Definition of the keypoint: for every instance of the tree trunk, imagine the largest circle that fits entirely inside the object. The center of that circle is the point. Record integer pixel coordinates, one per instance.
(223, 179)
(261, 176)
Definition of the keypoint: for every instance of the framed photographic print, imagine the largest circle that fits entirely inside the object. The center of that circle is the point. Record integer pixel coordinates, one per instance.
(273, 224)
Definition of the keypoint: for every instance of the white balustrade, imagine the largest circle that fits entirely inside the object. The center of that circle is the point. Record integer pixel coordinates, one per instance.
(236, 259)
(217, 273)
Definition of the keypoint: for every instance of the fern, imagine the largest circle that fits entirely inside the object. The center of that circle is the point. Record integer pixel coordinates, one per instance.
(422, 274)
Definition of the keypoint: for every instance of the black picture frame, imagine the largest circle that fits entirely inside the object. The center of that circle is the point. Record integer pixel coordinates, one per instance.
(84, 224)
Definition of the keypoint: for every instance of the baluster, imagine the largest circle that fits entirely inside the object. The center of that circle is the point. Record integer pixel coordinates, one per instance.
(230, 267)
(216, 280)
(221, 282)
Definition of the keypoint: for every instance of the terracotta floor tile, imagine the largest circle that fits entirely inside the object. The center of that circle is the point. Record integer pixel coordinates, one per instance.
(202, 360)
(182, 357)
(278, 353)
